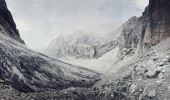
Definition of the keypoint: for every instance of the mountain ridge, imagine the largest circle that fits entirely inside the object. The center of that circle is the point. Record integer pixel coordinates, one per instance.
(79, 45)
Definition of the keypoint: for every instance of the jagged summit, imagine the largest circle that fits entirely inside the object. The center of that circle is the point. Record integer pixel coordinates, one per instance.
(79, 45)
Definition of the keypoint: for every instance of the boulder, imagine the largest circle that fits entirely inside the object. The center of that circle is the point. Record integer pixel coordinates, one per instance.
(152, 74)
(151, 93)
(132, 88)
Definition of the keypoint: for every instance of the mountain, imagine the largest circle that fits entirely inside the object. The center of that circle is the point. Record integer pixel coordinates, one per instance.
(149, 29)
(142, 72)
(139, 70)
(159, 22)
(79, 45)
(28, 71)
(7, 24)
(133, 31)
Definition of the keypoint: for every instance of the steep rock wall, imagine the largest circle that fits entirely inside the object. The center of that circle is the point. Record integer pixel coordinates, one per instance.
(7, 24)
(149, 29)
(159, 12)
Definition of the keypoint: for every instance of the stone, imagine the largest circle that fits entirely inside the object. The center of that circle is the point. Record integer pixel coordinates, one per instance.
(133, 88)
(159, 69)
(165, 60)
(151, 93)
(152, 74)
(168, 58)
(161, 63)
(158, 81)
(2, 81)
(163, 71)
(160, 76)
(140, 89)
(168, 88)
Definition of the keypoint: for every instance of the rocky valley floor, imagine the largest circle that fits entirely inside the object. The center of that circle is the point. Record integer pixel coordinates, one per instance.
(146, 78)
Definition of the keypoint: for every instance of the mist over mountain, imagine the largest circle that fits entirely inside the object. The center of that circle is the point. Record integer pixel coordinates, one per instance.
(79, 45)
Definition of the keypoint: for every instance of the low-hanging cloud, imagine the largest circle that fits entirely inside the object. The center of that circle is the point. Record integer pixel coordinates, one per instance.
(40, 21)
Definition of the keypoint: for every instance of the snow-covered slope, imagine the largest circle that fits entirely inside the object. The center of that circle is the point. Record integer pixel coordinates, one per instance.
(79, 45)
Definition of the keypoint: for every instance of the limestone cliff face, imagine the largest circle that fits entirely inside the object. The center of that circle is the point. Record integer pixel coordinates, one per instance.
(130, 33)
(7, 24)
(79, 45)
(133, 31)
(149, 29)
(159, 12)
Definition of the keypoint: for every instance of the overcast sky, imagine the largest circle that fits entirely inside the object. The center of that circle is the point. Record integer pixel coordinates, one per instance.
(40, 21)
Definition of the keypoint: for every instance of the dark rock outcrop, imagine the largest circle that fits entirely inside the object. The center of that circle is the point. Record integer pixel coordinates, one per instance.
(7, 24)
(159, 12)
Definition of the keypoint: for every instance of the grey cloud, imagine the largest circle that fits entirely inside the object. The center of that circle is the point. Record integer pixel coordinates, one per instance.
(40, 21)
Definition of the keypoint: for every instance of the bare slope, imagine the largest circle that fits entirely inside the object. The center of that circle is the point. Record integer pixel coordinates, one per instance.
(29, 71)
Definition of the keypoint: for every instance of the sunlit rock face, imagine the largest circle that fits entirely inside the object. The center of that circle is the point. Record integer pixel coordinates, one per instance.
(7, 24)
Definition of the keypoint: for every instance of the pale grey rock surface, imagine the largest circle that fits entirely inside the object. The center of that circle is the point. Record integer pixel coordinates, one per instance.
(79, 45)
